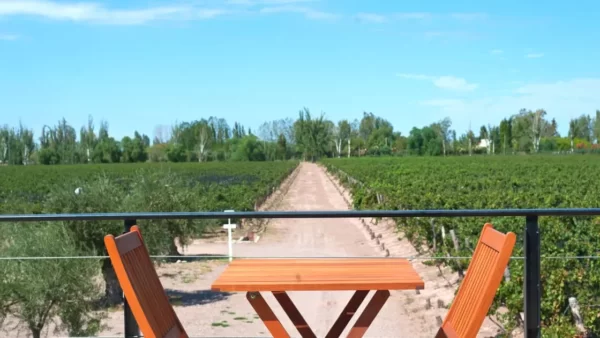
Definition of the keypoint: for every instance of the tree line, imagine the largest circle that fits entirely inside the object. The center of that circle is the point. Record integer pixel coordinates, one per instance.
(306, 137)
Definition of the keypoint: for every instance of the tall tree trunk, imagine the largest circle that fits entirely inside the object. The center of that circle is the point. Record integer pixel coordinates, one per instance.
(35, 332)
(348, 148)
(112, 291)
(444, 146)
(173, 250)
(572, 144)
(469, 147)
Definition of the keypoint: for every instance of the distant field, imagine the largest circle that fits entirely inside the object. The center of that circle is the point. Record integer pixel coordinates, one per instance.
(218, 185)
(496, 182)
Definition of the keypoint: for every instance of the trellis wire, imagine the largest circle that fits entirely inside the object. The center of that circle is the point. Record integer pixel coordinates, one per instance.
(219, 257)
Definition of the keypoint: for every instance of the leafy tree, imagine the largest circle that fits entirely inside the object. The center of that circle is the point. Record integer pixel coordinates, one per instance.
(101, 194)
(506, 134)
(312, 135)
(163, 191)
(442, 128)
(37, 291)
(281, 147)
(249, 149)
(88, 139)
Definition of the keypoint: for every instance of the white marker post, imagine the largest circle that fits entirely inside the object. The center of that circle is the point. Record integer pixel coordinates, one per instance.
(229, 226)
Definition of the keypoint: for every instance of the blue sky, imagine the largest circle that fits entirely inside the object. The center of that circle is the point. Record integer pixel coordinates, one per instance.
(140, 64)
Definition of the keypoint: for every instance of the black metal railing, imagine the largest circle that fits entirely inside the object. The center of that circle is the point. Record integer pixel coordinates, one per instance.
(532, 240)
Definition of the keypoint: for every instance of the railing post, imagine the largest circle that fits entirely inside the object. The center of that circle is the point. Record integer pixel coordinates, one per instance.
(131, 326)
(532, 286)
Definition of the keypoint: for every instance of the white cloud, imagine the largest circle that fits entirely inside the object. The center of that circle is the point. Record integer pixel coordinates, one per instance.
(534, 55)
(378, 18)
(468, 16)
(8, 37)
(371, 17)
(309, 13)
(266, 2)
(445, 82)
(454, 83)
(496, 51)
(412, 15)
(96, 13)
(562, 100)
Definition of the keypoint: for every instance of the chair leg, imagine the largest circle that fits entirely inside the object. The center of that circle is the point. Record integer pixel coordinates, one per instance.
(347, 314)
(292, 311)
(371, 310)
(266, 315)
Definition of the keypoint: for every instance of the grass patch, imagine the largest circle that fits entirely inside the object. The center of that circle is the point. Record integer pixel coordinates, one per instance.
(240, 318)
(175, 300)
(222, 323)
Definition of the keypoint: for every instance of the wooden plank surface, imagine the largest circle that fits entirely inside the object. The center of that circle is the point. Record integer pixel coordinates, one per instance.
(322, 274)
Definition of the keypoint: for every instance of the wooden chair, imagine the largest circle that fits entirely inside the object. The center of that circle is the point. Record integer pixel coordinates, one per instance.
(142, 288)
(478, 288)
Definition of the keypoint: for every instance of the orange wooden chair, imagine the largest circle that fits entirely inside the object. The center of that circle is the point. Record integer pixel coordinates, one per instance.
(478, 289)
(142, 288)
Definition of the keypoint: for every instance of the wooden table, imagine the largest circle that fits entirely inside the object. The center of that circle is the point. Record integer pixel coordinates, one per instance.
(318, 274)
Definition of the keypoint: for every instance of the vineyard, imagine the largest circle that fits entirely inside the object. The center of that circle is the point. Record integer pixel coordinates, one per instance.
(34, 292)
(215, 186)
(497, 183)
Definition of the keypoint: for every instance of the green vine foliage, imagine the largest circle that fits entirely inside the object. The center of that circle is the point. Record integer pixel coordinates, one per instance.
(499, 182)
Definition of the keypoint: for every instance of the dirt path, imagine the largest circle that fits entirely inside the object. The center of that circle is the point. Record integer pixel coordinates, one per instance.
(206, 313)
(311, 190)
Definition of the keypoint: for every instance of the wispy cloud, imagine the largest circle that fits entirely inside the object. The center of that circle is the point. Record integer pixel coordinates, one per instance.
(379, 18)
(371, 18)
(560, 99)
(266, 2)
(411, 15)
(8, 37)
(468, 16)
(534, 55)
(496, 51)
(445, 82)
(309, 13)
(97, 13)
(454, 83)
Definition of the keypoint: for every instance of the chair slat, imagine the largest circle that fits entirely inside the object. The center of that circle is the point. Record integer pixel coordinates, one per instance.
(478, 289)
(140, 283)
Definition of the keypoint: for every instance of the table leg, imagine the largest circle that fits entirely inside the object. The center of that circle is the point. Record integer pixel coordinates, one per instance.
(347, 314)
(292, 311)
(266, 315)
(371, 310)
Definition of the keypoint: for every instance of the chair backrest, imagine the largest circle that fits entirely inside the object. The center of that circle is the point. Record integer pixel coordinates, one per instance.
(142, 287)
(478, 289)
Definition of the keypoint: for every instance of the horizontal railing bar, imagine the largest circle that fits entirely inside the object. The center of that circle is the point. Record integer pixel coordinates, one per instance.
(143, 336)
(224, 257)
(300, 214)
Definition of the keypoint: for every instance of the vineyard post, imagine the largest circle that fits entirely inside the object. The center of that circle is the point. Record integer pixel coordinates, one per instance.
(532, 285)
(461, 274)
(574, 305)
(433, 232)
(131, 325)
(229, 226)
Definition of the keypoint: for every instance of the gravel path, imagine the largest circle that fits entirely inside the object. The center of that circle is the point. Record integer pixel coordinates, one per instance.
(311, 190)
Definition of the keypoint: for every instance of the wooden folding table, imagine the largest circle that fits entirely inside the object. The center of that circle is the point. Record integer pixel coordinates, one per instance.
(318, 274)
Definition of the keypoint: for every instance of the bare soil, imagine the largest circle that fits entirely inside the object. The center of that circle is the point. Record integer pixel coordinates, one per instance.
(206, 313)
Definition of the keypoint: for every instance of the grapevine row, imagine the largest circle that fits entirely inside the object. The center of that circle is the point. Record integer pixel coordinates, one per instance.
(500, 183)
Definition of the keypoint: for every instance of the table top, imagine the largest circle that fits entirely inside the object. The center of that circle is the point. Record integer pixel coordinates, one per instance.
(318, 274)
